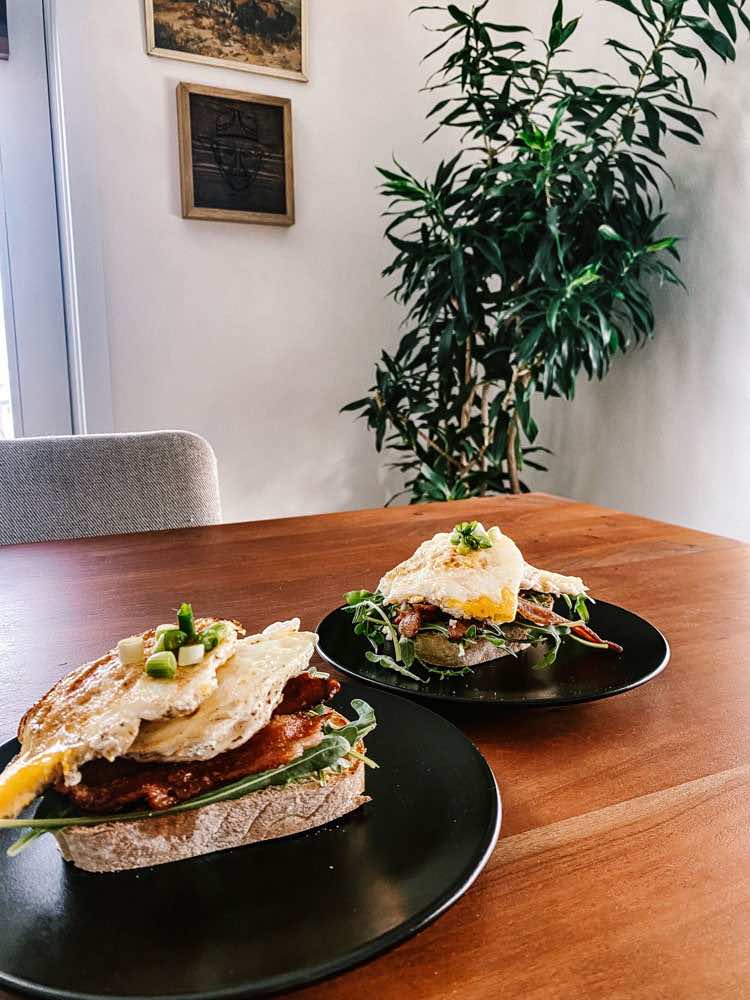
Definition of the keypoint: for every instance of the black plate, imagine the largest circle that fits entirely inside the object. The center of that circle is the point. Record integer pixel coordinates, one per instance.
(578, 674)
(271, 916)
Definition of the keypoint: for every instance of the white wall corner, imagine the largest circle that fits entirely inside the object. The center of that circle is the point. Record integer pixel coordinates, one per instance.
(74, 145)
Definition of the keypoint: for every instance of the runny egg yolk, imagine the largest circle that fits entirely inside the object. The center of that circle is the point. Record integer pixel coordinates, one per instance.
(22, 781)
(486, 608)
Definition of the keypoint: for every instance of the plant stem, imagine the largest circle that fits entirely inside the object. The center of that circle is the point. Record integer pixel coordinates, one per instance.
(542, 84)
(468, 402)
(465, 418)
(510, 454)
(436, 447)
(401, 423)
(522, 375)
(444, 454)
(664, 36)
(485, 418)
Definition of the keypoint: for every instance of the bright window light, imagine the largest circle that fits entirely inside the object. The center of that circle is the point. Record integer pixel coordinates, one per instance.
(6, 414)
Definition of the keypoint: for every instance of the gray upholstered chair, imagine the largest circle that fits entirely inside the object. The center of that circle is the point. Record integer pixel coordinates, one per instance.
(105, 484)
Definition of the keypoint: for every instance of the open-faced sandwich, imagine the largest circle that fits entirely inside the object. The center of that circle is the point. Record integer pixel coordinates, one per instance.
(184, 740)
(464, 598)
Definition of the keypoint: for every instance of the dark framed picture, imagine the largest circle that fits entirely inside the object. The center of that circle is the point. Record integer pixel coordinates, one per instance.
(258, 36)
(235, 156)
(4, 43)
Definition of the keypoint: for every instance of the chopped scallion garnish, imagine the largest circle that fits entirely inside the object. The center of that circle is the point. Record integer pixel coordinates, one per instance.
(172, 639)
(357, 596)
(469, 536)
(212, 636)
(162, 665)
(186, 620)
(190, 656)
(130, 650)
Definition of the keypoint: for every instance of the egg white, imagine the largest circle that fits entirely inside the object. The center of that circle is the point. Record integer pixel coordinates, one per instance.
(249, 687)
(480, 584)
(547, 582)
(96, 711)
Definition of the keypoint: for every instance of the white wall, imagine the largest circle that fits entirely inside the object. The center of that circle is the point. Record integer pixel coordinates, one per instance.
(667, 434)
(32, 320)
(254, 336)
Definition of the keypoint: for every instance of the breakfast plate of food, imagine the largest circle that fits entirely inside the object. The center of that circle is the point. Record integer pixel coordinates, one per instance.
(182, 815)
(466, 618)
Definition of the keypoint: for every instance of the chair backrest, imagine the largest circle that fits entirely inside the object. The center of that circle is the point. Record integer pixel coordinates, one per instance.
(105, 484)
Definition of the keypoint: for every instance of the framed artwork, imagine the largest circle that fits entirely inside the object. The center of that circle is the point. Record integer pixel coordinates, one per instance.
(259, 36)
(4, 43)
(235, 156)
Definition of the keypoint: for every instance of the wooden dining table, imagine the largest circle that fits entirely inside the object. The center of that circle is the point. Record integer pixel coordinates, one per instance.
(623, 864)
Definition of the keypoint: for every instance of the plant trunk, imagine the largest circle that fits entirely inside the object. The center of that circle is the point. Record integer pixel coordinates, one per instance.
(465, 416)
(510, 454)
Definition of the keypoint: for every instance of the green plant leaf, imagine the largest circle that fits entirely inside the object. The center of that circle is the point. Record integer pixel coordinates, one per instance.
(724, 12)
(626, 5)
(682, 116)
(714, 39)
(529, 256)
(664, 244)
(653, 124)
(356, 405)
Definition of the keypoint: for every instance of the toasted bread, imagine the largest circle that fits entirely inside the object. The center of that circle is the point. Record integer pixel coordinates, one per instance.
(442, 652)
(262, 815)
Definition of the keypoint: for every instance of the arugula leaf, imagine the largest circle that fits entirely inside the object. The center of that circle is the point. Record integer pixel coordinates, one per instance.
(435, 627)
(549, 658)
(446, 673)
(375, 621)
(585, 642)
(360, 727)
(407, 652)
(51, 806)
(581, 608)
(383, 660)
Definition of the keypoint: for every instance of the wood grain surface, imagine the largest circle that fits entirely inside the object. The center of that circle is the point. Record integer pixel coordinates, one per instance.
(623, 868)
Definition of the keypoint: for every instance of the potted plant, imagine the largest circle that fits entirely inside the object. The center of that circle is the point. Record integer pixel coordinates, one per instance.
(530, 255)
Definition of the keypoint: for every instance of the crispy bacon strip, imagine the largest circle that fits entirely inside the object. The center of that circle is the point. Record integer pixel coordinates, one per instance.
(306, 691)
(457, 629)
(410, 620)
(539, 615)
(106, 787)
(409, 623)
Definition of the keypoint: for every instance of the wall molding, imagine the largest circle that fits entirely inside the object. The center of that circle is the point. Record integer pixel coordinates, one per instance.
(74, 153)
(8, 318)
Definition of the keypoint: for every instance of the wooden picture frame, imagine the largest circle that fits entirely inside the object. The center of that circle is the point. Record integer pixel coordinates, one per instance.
(155, 45)
(4, 42)
(236, 156)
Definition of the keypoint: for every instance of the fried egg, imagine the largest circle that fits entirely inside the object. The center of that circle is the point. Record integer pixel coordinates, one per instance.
(250, 686)
(546, 582)
(96, 711)
(480, 584)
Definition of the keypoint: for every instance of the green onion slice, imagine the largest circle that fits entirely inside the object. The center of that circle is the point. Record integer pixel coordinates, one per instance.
(162, 666)
(186, 620)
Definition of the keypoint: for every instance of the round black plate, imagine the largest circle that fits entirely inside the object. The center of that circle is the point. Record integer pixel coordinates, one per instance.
(578, 674)
(271, 916)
